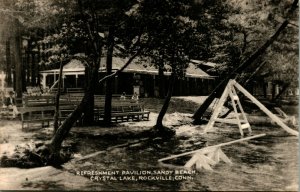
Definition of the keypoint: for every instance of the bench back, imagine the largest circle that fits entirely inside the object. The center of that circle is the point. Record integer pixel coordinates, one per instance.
(33, 90)
(75, 99)
(75, 90)
(42, 100)
(24, 110)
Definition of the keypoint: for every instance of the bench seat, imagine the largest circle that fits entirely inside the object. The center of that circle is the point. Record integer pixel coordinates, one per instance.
(126, 116)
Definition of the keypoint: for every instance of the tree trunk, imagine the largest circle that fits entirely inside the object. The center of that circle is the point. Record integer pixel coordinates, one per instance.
(108, 83)
(33, 83)
(254, 73)
(56, 115)
(273, 89)
(62, 132)
(220, 88)
(28, 61)
(88, 113)
(64, 129)
(284, 88)
(159, 124)
(18, 65)
(161, 80)
(8, 64)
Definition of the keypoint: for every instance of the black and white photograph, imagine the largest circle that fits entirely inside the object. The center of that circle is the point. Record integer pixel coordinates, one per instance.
(149, 95)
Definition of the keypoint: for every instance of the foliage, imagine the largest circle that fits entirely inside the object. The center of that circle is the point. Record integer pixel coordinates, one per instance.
(257, 21)
(69, 40)
(170, 34)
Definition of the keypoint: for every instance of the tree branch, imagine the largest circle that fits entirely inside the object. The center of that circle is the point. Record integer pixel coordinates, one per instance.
(91, 37)
(122, 69)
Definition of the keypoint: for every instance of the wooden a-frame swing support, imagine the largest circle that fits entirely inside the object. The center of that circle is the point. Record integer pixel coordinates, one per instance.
(242, 121)
(211, 155)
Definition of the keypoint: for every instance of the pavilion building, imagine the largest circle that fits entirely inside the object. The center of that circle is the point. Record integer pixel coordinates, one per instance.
(139, 76)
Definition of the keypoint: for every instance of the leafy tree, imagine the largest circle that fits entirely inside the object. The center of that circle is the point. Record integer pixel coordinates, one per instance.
(256, 21)
(96, 43)
(218, 90)
(172, 40)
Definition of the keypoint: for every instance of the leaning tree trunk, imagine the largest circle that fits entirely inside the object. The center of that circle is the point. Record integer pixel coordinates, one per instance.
(64, 129)
(159, 124)
(220, 87)
(57, 98)
(108, 83)
(284, 88)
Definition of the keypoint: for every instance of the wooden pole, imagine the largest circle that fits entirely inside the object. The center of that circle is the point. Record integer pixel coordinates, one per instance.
(208, 149)
(264, 109)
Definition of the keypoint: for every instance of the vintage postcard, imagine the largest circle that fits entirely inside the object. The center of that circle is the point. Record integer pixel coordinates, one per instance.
(149, 95)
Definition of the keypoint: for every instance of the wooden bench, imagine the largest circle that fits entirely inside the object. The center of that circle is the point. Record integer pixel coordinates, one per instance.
(37, 101)
(6, 112)
(123, 112)
(134, 116)
(75, 90)
(44, 100)
(65, 111)
(30, 115)
(33, 90)
(42, 114)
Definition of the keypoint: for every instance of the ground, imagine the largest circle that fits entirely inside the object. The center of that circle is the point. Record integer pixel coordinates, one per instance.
(268, 163)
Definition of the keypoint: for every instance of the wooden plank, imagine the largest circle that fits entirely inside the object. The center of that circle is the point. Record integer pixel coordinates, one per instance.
(229, 121)
(108, 149)
(210, 148)
(192, 161)
(223, 157)
(280, 112)
(203, 163)
(217, 110)
(264, 109)
(245, 125)
(209, 160)
(234, 105)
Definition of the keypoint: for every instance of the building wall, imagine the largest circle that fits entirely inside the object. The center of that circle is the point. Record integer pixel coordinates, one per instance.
(148, 85)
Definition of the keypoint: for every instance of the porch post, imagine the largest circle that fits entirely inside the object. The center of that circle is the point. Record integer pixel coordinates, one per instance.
(154, 88)
(54, 77)
(63, 81)
(76, 80)
(116, 84)
(44, 80)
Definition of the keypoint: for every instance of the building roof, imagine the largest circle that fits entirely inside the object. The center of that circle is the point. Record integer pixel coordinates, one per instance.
(208, 64)
(141, 67)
